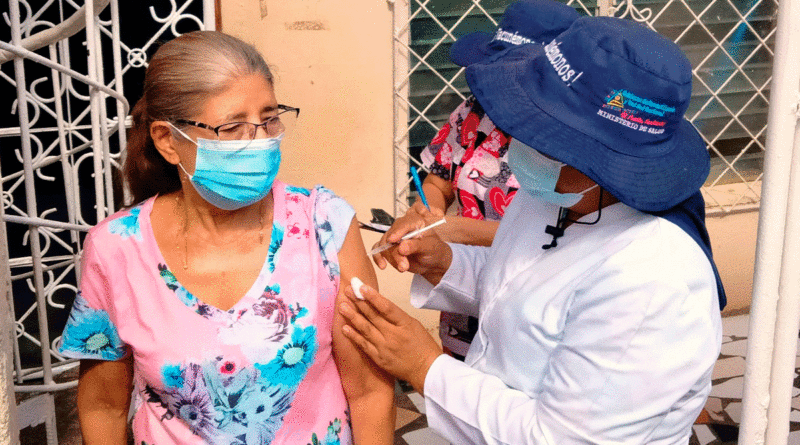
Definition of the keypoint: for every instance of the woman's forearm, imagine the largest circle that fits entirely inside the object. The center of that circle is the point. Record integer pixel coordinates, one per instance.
(473, 232)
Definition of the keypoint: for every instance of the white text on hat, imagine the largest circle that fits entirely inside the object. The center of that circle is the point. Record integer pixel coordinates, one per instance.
(514, 39)
(560, 63)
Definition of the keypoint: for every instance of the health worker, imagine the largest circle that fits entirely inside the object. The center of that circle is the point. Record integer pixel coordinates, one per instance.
(598, 301)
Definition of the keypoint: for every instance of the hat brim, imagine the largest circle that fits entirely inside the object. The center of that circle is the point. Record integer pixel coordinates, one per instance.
(472, 48)
(508, 94)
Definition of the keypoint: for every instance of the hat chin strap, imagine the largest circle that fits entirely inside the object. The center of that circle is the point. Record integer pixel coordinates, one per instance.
(557, 231)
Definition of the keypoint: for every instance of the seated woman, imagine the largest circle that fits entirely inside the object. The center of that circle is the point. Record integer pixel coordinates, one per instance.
(598, 301)
(212, 297)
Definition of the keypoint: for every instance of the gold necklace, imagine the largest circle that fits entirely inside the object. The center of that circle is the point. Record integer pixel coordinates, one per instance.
(185, 228)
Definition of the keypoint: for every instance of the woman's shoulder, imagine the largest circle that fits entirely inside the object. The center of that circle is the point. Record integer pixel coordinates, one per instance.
(315, 196)
(123, 225)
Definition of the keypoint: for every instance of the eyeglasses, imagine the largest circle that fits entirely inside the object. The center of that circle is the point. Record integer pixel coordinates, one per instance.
(274, 126)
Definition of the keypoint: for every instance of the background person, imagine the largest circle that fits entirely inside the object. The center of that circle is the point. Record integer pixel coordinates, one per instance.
(213, 295)
(468, 158)
(598, 301)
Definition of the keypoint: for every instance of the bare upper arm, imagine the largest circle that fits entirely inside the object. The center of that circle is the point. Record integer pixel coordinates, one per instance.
(358, 373)
(106, 384)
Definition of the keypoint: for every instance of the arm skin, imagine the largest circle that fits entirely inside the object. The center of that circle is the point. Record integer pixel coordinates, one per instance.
(393, 339)
(104, 397)
(369, 390)
(461, 230)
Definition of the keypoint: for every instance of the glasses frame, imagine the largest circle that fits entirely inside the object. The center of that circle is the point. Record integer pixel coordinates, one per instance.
(283, 110)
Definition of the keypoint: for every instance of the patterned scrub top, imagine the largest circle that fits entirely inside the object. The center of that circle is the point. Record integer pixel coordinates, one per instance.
(259, 373)
(472, 153)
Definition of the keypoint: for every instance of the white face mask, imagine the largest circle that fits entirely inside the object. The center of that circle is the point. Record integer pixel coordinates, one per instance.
(537, 174)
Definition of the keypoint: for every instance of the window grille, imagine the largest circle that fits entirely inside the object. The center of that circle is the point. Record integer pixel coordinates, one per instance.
(60, 154)
(729, 43)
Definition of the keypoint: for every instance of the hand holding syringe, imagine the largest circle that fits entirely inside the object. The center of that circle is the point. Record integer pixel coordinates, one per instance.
(409, 235)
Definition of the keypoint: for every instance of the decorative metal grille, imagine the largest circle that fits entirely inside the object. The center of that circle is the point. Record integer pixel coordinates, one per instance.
(62, 139)
(729, 43)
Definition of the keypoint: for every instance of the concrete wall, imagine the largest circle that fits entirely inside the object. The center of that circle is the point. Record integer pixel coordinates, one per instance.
(9, 434)
(733, 241)
(334, 61)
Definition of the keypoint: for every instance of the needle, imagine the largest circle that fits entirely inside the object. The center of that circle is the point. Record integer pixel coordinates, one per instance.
(410, 235)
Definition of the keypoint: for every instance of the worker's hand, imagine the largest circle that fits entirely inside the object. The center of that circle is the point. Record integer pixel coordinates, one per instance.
(426, 254)
(394, 340)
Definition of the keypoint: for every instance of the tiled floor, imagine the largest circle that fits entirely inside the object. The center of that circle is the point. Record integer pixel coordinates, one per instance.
(724, 405)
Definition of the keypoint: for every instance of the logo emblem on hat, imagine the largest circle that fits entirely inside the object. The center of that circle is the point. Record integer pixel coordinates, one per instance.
(617, 101)
(641, 114)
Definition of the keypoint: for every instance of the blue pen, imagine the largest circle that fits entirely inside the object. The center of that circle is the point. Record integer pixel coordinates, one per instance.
(418, 183)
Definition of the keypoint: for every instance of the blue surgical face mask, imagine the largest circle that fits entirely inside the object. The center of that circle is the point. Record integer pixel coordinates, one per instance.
(537, 174)
(234, 174)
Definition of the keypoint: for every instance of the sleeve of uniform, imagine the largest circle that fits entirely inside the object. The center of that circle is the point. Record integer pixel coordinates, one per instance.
(457, 292)
(635, 356)
(91, 332)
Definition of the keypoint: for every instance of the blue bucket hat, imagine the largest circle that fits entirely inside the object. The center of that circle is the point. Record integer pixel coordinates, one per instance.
(525, 21)
(606, 97)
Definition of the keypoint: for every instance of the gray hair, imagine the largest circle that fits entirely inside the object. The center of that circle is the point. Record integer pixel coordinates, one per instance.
(182, 75)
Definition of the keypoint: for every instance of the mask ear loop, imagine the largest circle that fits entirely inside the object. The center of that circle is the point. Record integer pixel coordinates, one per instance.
(557, 231)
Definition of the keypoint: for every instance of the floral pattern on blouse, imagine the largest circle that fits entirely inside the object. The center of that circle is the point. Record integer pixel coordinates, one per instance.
(225, 401)
(128, 225)
(90, 333)
(331, 435)
(472, 153)
(326, 237)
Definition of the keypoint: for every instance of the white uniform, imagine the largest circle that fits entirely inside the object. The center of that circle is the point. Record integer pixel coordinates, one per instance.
(610, 337)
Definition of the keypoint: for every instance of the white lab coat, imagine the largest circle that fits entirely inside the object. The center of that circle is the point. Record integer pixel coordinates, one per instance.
(610, 337)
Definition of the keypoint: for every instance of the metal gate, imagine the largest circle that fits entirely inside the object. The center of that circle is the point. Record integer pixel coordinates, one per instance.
(62, 138)
(729, 43)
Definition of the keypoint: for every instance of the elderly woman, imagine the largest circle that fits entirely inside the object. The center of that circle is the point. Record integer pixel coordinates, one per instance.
(212, 297)
(598, 301)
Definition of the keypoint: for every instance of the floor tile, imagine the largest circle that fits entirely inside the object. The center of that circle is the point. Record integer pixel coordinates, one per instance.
(418, 401)
(737, 325)
(425, 436)
(714, 409)
(704, 434)
(404, 417)
(735, 348)
(729, 389)
(728, 367)
(734, 410)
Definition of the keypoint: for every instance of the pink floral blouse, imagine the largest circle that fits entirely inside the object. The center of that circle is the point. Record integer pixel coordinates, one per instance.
(259, 373)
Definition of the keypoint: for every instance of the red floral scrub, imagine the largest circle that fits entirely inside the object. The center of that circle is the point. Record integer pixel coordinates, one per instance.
(259, 373)
(472, 153)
